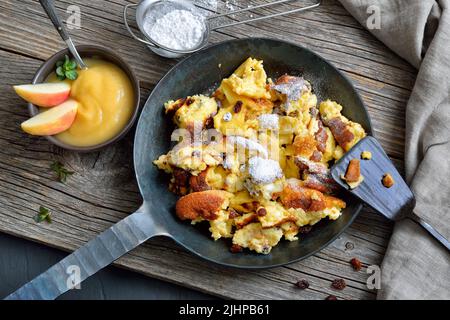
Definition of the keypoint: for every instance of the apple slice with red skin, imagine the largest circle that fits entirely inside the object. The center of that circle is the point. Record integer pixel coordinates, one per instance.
(52, 121)
(44, 95)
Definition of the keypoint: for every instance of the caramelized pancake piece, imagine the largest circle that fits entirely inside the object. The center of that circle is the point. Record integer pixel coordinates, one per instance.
(295, 195)
(353, 175)
(320, 182)
(205, 204)
(316, 175)
(353, 171)
(346, 132)
(304, 146)
(199, 183)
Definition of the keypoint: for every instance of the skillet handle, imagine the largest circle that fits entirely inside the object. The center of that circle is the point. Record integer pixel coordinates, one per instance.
(98, 253)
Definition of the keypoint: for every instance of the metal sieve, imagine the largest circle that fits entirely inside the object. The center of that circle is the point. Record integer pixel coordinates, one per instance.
(151, 10)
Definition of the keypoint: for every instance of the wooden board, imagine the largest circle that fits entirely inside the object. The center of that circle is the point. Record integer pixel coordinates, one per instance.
(103, 189)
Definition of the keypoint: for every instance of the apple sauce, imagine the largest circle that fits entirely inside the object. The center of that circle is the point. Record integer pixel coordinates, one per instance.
(106, 103)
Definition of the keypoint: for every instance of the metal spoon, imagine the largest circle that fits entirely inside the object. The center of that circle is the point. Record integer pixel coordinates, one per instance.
(51, 12)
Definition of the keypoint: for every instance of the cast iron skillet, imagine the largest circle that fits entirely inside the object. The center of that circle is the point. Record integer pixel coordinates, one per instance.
(196, 74)
(156, 216)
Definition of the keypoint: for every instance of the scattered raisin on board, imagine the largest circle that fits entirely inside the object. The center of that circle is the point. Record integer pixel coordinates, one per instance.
(356, 264)
(338, 284)
(302, 284)
(235, 248)
(331, 297)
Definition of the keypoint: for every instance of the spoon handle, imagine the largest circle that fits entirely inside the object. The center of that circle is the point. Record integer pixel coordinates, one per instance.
(51, 12)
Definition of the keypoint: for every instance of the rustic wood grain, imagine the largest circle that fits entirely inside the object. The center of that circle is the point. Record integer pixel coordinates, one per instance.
(103, 189)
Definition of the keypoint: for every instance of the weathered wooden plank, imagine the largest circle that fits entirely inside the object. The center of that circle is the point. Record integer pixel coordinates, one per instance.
(103, 189)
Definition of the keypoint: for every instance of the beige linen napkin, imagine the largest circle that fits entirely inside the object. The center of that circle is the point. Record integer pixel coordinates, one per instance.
(416, 266)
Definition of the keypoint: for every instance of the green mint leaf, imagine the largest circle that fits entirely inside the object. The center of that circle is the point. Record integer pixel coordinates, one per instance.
(59, 64)
(43, 211)
(60, 71)
(61, 172)
(66, 63)
(61, 78)
(71, 65)
(43, 215)
(71, 74)
(56, 166)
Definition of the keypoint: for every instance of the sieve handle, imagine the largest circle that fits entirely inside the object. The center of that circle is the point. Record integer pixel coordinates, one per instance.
(270, 4)
(125, 20)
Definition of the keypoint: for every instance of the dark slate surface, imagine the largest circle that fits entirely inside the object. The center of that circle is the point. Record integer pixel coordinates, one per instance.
(22, 260)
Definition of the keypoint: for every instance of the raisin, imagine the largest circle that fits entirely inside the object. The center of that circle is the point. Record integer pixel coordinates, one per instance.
(178, 105)
(235, 248)
(331, 297)
(189, 101)
(209, 123)
(250, 206)
(237, 107)
(196, 153)
(302, 284)
(338, 284)
(261, 212)
(294, 114)
(356, 264)
(233, 214)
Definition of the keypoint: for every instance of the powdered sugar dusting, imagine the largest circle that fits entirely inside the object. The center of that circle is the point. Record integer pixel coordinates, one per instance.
(228, 163)
(245, 143)
(227, 117)
(292, 87)
(177, 29)
(268, 121)
(264, 171)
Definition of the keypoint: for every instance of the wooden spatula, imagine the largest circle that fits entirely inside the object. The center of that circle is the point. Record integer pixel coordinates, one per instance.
(394, 202)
